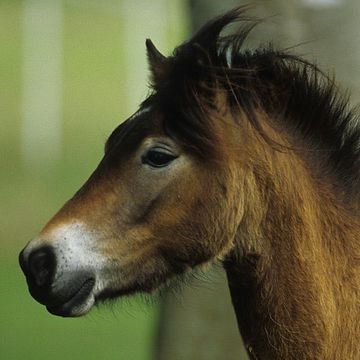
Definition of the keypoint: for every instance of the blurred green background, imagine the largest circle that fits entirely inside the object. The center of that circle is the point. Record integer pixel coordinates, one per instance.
(70, 72)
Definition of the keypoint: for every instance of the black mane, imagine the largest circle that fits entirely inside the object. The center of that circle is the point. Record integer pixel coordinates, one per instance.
(283, 85)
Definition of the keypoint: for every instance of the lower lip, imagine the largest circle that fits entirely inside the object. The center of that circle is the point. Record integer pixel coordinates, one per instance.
(76, 305)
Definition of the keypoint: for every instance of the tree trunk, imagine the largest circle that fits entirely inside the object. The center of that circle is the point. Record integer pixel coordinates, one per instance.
(200, 322)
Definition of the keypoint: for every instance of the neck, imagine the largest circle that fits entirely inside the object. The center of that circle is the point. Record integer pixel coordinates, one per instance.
(293, 272)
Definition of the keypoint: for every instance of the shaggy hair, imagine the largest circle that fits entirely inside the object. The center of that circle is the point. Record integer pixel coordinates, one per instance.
(289, 89)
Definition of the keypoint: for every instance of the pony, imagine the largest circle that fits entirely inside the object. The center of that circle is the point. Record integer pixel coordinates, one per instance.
(245, 157)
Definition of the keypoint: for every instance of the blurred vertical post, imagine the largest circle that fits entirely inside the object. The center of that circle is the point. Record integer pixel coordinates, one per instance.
(200, 323)
(42, 81)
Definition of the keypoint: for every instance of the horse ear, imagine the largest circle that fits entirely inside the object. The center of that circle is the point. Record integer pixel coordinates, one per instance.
(158, 63)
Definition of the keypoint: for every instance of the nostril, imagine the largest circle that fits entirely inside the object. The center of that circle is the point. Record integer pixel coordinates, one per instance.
(41, 266)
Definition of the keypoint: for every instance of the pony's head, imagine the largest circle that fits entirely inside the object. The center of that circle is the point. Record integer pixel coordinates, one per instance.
(194, 170)
(158, 203)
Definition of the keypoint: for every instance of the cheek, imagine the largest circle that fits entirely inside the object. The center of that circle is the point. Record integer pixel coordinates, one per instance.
(205, 221)
(190, 231)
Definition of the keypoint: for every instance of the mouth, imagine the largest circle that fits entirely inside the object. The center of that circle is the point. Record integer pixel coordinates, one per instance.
(108, 294)
(148, 286)
(77, 304)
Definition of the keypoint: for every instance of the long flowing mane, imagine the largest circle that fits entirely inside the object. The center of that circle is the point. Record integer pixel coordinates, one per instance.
(288, 88)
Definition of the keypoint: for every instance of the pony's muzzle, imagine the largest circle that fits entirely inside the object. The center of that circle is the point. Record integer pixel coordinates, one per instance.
(63, 294)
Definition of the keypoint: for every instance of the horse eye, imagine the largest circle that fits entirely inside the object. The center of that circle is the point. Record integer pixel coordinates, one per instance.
(157, 158)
